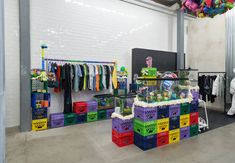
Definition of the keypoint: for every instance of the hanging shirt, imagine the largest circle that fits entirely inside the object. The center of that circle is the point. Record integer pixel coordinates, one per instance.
(79, 74)
(114, 77)
(107, 76)
(101, 78)
(57, 88)
(81, 81)
(104, 77)
(91, 76)
(94, 78)
(85, 77)
(97, 78)
(110, 80)
(75, 84)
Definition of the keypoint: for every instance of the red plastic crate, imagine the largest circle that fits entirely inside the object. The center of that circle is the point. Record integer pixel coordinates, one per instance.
(162, 138)
(80, 107)
(194, 118)
(122, 139)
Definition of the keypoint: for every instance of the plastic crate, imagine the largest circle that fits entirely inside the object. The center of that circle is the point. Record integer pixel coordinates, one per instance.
(92, 116)
(80, 107)
(163, 125)
(109, 113)
(39, 124)
(174, 136)
(101, 114)
(82, 118)
(194, 106)
(38, 86)
(145, 128)
(145, 142)
(145, 114)
(163, 138)
(174, 123)
(193, 130)
(162, 112)
(40, 113)
(70, 119)
(92, 106)
(194, 118)
(122, 139)
(184, 120)
(174, 111)
(122, 125)
(56, 120)
(184, 133)
(40, 100)
(184, 108)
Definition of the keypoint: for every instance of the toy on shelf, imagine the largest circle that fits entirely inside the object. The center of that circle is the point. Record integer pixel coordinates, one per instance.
(105, 101)
(39, 81)
(207, 8)
(149, 71)
(122, 82)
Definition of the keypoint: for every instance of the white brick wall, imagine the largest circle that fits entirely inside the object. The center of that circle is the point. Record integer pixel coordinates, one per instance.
(12, 63)
(85, 30)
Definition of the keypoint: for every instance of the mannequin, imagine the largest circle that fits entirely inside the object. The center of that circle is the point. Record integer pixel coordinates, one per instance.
(232, 91)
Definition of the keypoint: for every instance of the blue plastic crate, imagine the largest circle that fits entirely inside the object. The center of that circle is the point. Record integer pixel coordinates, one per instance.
(194, 106)
(82, 118)
(40, 113)
(145, 142)
(174, 123)
(162, 112)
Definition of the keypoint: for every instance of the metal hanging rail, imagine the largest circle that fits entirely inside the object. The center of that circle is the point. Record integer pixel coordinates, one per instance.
(79, 61)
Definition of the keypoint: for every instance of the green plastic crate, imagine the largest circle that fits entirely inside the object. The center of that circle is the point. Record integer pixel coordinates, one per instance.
(92, 116)
(145, 128)
(193, 130)
(101, 114)
(70, 119)
(185, 109)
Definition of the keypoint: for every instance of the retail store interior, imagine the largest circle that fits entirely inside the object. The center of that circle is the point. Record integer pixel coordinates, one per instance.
(116, 81)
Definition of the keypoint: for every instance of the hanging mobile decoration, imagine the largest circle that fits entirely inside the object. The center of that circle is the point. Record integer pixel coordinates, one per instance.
(207, 8)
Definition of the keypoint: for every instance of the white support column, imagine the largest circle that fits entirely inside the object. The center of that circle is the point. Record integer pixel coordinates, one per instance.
(180, 40)
(2, 85)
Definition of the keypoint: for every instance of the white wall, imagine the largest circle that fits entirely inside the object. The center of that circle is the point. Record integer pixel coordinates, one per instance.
(12, 63)
(96, 30)
(82, 29)
(206, 48)
(206, 44)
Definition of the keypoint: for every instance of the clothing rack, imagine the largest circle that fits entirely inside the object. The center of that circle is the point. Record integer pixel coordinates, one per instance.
(79, 61)
(225, 89)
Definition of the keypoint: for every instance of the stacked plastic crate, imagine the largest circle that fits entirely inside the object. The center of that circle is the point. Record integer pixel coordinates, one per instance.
(162, 125)
(122, 132)
(105, 106)
(40, 101)
(194, 115)
(145, 127)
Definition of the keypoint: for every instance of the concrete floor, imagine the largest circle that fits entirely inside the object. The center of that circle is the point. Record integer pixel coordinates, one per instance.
(91, 143)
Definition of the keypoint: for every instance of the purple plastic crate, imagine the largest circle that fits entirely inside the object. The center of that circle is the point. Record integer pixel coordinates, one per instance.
(109, 113)
(122, 125)
(195, 95)
(174, 111)
(145, 114)
(92, 106)
(56, 120)
(184, 133)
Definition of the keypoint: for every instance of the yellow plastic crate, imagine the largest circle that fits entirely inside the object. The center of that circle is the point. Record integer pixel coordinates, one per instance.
(39, 124)
(184, 120)
(162, 125)
(174, 136)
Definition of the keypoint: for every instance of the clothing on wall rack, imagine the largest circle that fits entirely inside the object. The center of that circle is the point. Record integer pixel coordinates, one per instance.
(212, 84)
(77, 75)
